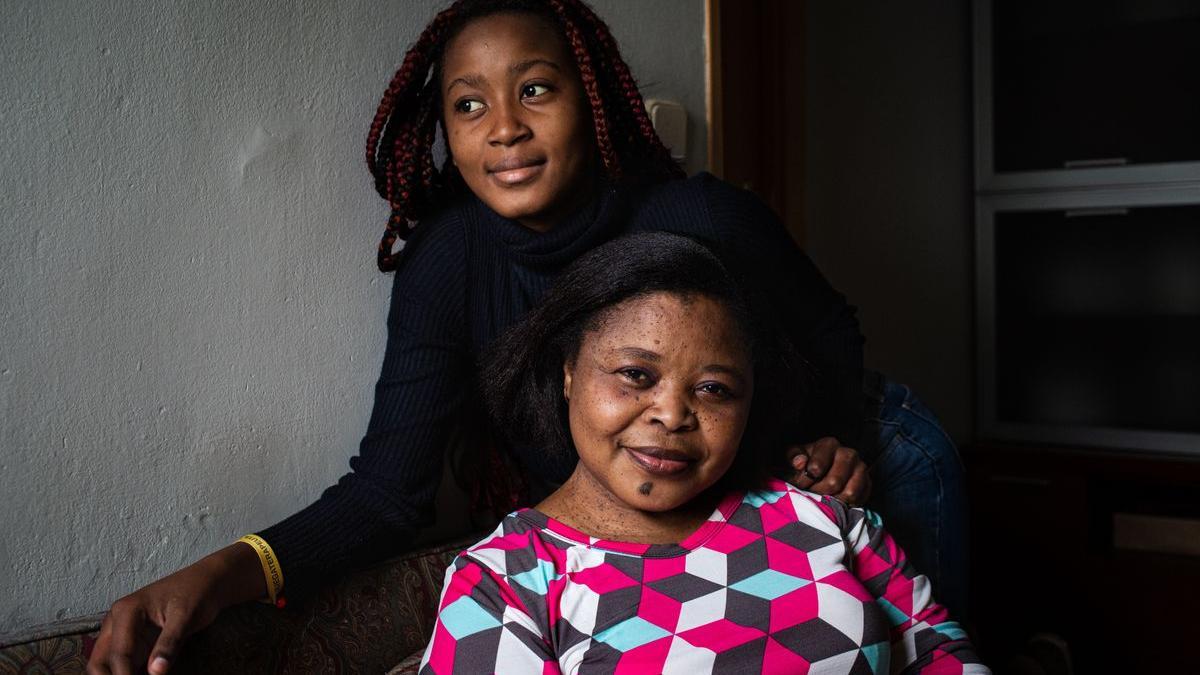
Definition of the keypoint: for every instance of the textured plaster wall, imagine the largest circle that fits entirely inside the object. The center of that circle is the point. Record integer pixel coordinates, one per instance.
(889, 186)
(190, 323)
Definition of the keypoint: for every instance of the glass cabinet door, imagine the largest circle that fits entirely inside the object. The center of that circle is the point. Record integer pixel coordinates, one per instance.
(1097, 318)
(1082, 83)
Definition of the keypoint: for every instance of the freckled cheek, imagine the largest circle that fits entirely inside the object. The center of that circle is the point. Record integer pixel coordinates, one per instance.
(724, 428)
(606, 411)
(719, 420)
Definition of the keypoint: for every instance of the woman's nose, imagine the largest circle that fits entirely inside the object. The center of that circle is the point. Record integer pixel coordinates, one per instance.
(508, 125)
(673, 410)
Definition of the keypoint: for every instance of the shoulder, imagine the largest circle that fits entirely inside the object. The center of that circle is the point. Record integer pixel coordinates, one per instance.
(704, 206)
(706, 189)
(513, 532)
(701, 187)
(848, 519)
(429, 287)
(519, 551)
(486, 559)
(790, 502)
(437, 243)
(517, 565)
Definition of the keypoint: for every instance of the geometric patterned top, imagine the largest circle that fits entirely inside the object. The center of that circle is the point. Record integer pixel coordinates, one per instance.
(777, 581)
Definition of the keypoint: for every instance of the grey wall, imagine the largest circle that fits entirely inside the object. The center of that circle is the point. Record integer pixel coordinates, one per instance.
(190, 322)
(888, 194)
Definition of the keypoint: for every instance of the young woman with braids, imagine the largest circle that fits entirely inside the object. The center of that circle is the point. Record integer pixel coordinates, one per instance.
(550, 153)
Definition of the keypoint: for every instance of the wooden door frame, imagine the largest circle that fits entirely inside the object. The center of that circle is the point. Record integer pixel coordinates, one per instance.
(754, 72)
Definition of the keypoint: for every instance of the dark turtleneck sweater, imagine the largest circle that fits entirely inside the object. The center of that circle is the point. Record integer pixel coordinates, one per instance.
(467, 274)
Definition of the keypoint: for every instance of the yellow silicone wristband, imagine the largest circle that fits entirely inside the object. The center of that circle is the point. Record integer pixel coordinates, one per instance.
(270, 565)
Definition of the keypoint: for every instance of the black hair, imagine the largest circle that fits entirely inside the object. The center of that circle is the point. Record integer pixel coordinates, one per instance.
(522, 374)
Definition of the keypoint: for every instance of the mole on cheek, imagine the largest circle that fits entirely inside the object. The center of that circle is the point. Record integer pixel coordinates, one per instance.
(645, 488)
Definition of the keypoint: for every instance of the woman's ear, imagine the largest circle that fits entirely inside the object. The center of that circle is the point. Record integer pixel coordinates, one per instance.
(566, 381)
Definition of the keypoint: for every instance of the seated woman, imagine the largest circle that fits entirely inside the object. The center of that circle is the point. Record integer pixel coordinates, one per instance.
(667, 550)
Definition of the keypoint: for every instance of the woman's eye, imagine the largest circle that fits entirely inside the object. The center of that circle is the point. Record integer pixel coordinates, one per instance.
(636, 376)
(468, 105)
(716, 389)
(531, 90)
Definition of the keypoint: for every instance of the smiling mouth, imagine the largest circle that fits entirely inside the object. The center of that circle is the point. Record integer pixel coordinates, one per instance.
(660, 461)
(517, 171)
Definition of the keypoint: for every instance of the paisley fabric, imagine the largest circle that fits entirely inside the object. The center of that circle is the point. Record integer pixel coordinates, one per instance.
(369, 621)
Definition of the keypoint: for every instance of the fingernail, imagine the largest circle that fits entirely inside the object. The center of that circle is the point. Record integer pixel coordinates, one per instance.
(158, 665)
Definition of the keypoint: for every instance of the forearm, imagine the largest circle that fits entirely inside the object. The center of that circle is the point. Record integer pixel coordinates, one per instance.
(352, 525)
(236, 573)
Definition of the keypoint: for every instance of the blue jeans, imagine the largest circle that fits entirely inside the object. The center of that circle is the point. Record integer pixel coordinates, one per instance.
(918, 486)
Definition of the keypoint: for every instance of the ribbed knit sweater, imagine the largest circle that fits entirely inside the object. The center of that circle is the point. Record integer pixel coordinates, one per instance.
(467, 274)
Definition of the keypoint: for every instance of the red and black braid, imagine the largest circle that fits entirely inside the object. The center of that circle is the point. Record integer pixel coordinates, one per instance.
(399, 143)
(591, 88)
(401, 137)
(642, 133)
(642, 155)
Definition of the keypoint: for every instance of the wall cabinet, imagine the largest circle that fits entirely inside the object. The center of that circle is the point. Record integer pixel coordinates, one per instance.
(1085, 477)
(1088, 223)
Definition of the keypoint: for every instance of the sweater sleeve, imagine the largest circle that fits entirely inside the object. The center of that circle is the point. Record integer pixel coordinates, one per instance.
(374, 511)
(781, 278)
(482, 627)
(924, 639)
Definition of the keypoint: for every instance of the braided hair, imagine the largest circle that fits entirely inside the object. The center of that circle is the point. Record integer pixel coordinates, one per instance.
(400, 142)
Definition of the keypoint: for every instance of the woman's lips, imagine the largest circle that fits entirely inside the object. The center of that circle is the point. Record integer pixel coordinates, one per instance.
(660, 461)
(514, 172)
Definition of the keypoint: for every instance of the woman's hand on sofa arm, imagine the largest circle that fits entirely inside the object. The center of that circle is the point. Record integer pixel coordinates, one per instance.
(827, 467)
(144, 630)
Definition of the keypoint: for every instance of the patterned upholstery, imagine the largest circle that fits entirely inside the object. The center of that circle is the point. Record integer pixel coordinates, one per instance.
(52, 654)
(369, 621)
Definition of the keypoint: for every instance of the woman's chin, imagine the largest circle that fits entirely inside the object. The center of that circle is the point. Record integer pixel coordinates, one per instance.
(663, 502)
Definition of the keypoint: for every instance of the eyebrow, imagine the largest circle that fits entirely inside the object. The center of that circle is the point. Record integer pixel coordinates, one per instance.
(522, 66)
(728, 370)
(474, 81)
(477, 80)
(655, 357)
(644, 354)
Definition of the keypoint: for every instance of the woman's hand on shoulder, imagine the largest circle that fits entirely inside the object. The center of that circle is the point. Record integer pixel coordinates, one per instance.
(144, 630)
(827, 467)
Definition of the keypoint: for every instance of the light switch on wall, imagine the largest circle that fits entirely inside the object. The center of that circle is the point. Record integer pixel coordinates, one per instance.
(670, 122)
